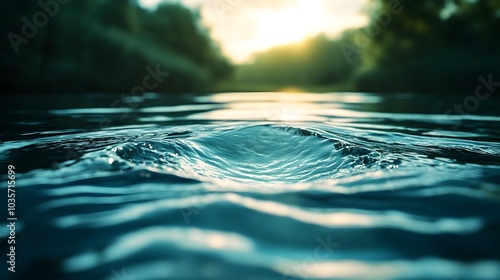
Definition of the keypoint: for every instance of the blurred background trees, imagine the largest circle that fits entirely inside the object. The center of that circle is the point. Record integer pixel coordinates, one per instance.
(430, 46)
(433, 46)
(317, 61)
(105, 45)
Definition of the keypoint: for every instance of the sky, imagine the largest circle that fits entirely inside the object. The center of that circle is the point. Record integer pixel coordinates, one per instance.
(243, 27)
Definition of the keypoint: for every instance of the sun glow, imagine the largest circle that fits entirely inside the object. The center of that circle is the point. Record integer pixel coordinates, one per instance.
(289, 25)
(245, 27)
(258, 29)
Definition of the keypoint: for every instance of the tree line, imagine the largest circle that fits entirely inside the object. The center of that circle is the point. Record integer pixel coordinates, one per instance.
(113, 45)
(105, 45)
(420, 46)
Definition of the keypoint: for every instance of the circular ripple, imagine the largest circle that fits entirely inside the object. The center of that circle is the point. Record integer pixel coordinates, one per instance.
(254, 154)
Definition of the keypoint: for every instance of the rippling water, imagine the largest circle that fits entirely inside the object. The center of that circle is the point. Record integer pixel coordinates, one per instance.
(252, 186)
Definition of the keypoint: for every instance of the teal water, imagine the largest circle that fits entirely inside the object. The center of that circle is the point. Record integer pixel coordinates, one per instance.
(252, 186)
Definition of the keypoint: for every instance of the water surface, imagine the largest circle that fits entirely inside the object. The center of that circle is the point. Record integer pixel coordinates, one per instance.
(253, 186)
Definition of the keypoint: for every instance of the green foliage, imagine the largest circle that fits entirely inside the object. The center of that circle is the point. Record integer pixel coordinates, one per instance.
(316, 61)
(106, 45)
(433, 46)
(426, 46)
